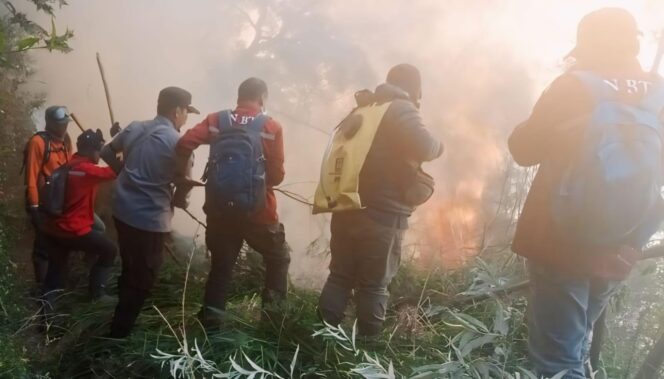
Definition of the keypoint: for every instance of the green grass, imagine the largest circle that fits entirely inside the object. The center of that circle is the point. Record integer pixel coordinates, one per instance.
(422, 336)
(425, 336)
(13, 358)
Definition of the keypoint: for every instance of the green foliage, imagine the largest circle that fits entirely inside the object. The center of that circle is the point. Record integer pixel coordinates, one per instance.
(424, 338)
(19, 34)
(13, 361)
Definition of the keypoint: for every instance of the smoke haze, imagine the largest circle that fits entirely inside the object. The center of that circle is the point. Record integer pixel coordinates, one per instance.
(483, 64)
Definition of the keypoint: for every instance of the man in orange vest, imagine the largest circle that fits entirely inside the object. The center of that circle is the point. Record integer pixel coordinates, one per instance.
(44, 153)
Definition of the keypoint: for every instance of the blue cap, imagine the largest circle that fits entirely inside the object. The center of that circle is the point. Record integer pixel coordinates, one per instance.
(57, 114)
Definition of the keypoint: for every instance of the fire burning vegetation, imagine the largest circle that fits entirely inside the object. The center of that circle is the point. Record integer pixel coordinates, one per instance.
(457, 305)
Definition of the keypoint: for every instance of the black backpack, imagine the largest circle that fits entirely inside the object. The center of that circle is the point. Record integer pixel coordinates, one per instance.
(48, 149)
(235, 171)
(52, 193)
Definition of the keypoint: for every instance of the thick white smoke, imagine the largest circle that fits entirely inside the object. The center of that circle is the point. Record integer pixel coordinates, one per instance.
(483, 64)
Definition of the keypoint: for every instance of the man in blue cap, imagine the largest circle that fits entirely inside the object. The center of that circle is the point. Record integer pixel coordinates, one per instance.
(45, 152)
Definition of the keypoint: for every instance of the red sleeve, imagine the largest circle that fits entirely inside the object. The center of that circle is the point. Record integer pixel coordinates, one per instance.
(273, 149)
(96, 174)
(198, 135)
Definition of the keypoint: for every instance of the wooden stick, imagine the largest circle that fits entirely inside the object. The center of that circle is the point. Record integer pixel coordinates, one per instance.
(73, 117)
(106, 90)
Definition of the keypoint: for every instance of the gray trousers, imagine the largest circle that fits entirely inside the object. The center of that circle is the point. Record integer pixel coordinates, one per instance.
(365, 258)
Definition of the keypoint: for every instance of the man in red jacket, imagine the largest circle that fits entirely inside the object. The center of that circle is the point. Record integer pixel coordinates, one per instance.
(571, 284)
(72, 231)
(227, 229)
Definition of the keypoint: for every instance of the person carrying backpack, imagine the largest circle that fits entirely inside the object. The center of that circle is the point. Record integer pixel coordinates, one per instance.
(143, 202)
(596, 134)
(44, 153)
(69, 217)
(365, 245)
(246, 161)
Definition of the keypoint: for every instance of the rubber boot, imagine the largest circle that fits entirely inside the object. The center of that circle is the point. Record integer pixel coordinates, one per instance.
(98, 280)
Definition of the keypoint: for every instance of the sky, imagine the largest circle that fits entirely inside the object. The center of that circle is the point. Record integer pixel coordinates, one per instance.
(483, 65)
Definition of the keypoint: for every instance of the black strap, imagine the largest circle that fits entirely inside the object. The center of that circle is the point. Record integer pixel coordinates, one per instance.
(48, 149)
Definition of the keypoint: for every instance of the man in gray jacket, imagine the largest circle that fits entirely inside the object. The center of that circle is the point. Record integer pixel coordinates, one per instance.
(366, 244)
(143, 202)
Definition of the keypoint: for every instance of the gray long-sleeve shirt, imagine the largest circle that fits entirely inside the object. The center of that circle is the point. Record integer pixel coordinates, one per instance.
(144, 189)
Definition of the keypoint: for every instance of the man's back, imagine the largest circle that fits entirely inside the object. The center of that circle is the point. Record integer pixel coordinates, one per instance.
(401, 144)
(550, 137)
(273, 150)
(83, 179)
(144, 188)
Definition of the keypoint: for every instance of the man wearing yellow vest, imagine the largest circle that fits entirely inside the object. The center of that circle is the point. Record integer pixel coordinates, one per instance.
(366, 243)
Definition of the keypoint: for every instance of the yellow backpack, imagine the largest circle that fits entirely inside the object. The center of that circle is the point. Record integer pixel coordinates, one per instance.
(338, 188)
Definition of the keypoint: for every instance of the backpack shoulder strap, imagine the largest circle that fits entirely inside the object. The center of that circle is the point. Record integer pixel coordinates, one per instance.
(597, 86)
(47, 147)
(225, 121)
(257, 125)
(654, 100)
(47, 151)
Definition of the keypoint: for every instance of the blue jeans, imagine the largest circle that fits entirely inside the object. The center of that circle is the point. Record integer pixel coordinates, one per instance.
(561, 314)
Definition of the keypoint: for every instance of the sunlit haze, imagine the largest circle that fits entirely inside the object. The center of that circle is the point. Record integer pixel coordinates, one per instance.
(483, 65)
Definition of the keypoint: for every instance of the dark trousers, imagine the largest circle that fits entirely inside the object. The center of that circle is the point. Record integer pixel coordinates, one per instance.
(40, 249)
(40, 255)
(94, 244)
(224, 239)
(365, 258)
(141, 253)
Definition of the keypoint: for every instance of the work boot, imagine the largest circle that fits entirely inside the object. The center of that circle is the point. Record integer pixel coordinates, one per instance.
(98, 280)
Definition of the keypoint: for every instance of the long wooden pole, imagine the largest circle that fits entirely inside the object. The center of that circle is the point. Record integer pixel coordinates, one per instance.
(106, 90)
(78, 123)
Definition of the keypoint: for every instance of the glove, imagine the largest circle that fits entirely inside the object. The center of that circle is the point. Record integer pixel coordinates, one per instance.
(36, 217)
(115, 129)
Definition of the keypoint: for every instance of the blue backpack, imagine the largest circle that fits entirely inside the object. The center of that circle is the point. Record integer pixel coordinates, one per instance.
(609, 194)
(236, 168)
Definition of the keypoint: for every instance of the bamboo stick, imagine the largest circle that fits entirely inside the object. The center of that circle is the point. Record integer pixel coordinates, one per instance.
(78, 123)
(106, 90)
